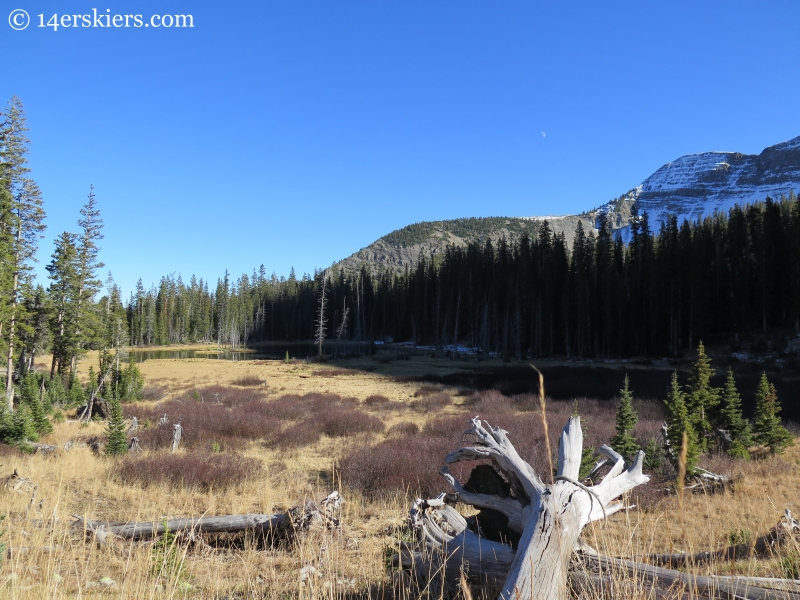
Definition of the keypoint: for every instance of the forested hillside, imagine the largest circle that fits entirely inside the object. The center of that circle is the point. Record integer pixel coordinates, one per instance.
(716, 279)
(405, 247)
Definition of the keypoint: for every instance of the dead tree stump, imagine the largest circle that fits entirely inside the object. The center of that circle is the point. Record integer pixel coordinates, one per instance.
(547, 518)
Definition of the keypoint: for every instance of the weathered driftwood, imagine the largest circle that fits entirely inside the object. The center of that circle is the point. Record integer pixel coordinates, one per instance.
(42, 448)
(177, 431)
(16, 482)
(133, 445)
(298, 518)
(549, 518)
(725, 588)
(592, 585)
(786, 529)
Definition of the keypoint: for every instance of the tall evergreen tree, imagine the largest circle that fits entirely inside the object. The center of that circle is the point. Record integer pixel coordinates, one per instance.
(116, 436)
(21, 225)
(86, 324)
(702, 399)
(63, 273)
(624, 442)
(678, 422)
(768, 430)
(732, 421)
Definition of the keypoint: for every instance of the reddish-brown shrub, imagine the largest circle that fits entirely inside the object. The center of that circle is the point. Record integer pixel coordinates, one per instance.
(410, 462)
(196, 470)
(293, 407)
(426, 390)
(334, 422)
(153, 392)
(228, 396)
(405, 464)
(249, 381)
(432, 402)
(332, 372)
(376, 399)
(404, 429)
(205, 424)
(346, 422)
(300, 434)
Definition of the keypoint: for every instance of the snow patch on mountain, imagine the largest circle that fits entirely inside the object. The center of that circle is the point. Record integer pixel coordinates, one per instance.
(697, 185)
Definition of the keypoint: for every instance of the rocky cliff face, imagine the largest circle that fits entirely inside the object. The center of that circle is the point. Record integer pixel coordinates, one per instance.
(696, 185)
(690, 187)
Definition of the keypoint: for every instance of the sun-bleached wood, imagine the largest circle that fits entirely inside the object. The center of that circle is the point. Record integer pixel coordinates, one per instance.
(549, 517)
(295, 519)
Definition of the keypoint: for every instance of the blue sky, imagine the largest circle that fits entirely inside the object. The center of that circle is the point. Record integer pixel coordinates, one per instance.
(295, 133)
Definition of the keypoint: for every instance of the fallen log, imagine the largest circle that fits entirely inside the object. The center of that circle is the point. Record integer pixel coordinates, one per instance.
(36, 447)
(298, 518)
(787, 529)
(548, 518)
(724, 588)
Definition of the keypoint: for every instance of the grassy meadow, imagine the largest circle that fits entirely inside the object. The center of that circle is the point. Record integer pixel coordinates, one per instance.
(262, 436)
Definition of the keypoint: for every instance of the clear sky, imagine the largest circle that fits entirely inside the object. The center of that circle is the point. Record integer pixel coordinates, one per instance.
(294, 133)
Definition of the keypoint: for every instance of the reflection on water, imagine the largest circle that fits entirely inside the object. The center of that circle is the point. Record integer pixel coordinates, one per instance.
(263, 353)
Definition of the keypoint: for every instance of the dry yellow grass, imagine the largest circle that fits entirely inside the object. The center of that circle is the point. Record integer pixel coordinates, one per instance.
(79, 482)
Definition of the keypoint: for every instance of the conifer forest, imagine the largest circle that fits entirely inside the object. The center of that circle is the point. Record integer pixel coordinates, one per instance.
(725, 279)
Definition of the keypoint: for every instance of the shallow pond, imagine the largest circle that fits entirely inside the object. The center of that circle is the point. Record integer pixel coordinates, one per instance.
(276, 352)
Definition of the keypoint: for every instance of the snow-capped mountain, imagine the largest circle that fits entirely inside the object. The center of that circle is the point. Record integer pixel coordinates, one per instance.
(690, 187)
(696, 185)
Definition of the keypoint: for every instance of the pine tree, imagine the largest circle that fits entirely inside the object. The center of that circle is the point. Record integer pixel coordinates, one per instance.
(116, 437)
(768, 430)
(624, 442)
(21, 225)
(29, 397)
(22, 426)
(6, 426)
(678, 421)
(75, 393)
(702, 399)
(56, 394)
(732, 421)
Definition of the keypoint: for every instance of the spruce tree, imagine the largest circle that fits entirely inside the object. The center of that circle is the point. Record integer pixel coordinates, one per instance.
(116, 437)
(22, 426)
(21, 226)
(732, 421)
(768, 430)
(702, 399)
(76, 395)
(6, 426)
(63, 273)
(678, 421)
(624, 442)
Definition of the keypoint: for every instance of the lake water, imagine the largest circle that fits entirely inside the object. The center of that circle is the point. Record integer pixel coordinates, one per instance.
(276, 352)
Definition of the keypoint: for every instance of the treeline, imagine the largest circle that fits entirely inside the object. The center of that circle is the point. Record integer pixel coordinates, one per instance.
(718, 279)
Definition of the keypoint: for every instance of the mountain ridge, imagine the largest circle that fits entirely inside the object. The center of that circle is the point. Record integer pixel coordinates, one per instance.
(690, 187)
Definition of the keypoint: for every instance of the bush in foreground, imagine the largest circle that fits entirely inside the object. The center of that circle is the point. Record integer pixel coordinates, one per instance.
(195, 470)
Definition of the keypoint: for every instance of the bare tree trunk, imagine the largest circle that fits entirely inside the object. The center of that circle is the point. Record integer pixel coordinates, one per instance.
(12, 327)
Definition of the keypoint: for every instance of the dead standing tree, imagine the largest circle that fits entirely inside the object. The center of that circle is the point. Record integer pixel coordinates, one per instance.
(548, 518)
(322, 320)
